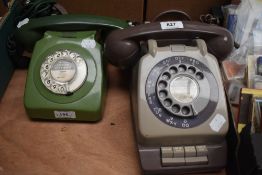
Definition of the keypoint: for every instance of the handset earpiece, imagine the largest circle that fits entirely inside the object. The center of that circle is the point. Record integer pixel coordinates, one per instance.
(127, 50)
(218, 49)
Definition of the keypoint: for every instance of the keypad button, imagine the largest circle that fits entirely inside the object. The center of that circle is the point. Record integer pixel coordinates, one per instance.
(179, 151)
(166, 152)
(180, 161)
(190, 151)
(201, 150)
(196, 160)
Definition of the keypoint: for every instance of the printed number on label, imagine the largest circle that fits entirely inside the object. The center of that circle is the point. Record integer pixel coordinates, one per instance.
(171, 25)
(65, 114)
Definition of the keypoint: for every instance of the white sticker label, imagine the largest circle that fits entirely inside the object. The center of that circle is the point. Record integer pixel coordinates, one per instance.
(217, 122)
(171, 25)
(23, 22)
(88, 43)
(65, 114)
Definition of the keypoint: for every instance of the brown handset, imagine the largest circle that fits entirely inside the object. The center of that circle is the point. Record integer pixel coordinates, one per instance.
(178, 100)
(123, 46)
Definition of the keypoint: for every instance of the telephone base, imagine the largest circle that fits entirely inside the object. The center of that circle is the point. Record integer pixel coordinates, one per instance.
(58, 64)
(152, 160)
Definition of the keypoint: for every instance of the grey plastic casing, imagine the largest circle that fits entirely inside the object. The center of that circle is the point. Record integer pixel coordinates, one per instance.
(152, 134)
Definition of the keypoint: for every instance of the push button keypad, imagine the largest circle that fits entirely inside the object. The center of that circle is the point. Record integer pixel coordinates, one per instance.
(184, 155)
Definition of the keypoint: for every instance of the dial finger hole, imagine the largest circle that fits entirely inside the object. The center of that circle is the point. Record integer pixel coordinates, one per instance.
(46, 66)
(176, 108)
(173, 70)
(185, 110)
(192, 70)
(199, 75)
(48, 82)
(167, 102)
(54, 86)
(44, 74)
(163, 94)
(162, 84)
(61, 89)
(50, 59)
(72, 55)
(65, 53)
(58, 54)
(166, 76)
(78, 59)
(182, 68)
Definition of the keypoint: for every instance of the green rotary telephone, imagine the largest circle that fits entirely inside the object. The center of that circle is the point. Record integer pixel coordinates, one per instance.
(66, 78)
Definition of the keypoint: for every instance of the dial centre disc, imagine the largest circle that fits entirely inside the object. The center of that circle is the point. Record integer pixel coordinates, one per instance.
(184, 89)
(63, 70)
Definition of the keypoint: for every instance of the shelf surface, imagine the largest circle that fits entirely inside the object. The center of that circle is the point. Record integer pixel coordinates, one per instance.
(53, 148)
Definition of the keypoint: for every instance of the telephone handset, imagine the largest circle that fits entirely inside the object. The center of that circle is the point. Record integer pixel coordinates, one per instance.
(65, 23)
(65, 79)
(218, 39)
(178, 101)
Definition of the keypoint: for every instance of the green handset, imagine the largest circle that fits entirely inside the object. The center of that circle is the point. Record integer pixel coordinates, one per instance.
(65, 79)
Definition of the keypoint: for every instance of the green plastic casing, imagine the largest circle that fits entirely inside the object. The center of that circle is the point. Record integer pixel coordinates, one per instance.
(47, 35)
(87, 102)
